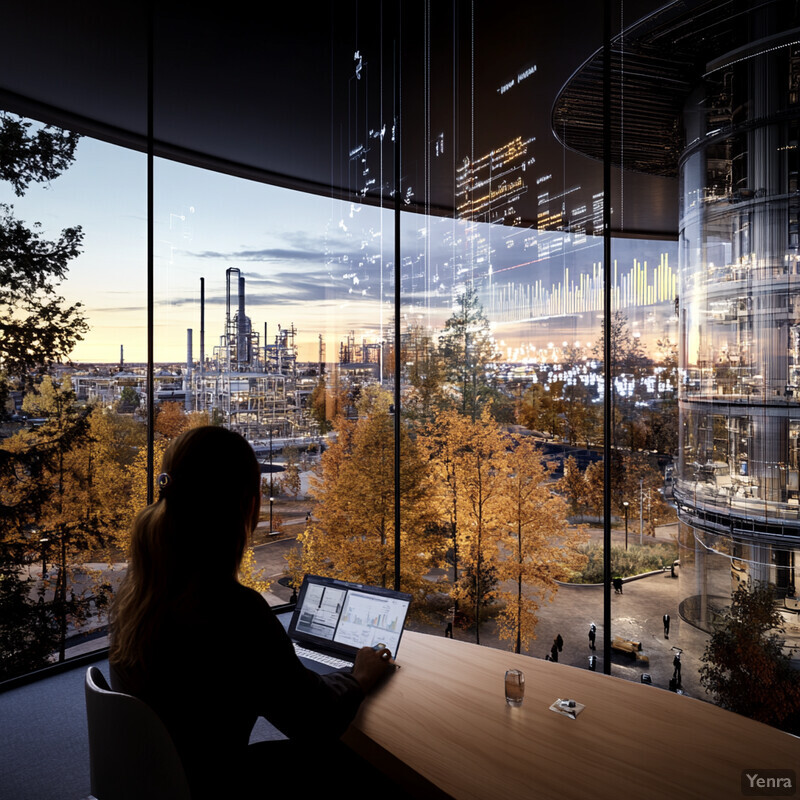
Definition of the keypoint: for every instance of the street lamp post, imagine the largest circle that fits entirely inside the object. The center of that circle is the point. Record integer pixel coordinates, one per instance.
(43, 542)
(271, 498)
(641, 511)
(625, 505)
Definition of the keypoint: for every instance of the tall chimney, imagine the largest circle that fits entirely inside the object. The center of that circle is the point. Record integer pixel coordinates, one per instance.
(242, 343)
(187, 378)
(202, 326)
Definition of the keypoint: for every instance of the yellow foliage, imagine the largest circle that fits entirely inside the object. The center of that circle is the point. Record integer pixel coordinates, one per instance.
(538, 546)
(136, 499)
(353, 535)
(249, 576)
(495, 501)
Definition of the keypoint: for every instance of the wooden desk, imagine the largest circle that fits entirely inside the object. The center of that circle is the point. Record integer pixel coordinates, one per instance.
(441, 725)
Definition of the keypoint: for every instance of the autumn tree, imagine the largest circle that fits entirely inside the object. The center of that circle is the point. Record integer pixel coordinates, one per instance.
(440, 444)
(538, 546)
(317, 405)
(199, 419)
(594, 478)
(69, 520)
(250, 575)
(327, 401)
(464, 454)
(68, 494)
(627, 359)
(582, 417)
(115, 442)
(425, 375)
(542, 409)
(291, 477)
(136, 476)
(353, 533)
(573, 487)
(633, 479)
(744, 665)
(171, 420)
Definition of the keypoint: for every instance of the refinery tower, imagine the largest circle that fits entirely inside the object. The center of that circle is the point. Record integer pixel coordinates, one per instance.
(252, 387)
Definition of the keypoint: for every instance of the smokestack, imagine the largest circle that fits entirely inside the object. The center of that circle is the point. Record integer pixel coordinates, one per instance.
(121, 359)
(202, 325)
(242, 349)
(187, 378)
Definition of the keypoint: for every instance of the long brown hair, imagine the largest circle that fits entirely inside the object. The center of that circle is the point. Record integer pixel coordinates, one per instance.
(189, 540)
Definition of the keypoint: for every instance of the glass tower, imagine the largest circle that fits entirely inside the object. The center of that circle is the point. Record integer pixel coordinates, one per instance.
(707, 94)
(738, 485)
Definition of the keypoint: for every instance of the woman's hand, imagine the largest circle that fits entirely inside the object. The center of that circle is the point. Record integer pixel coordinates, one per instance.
(371, 665)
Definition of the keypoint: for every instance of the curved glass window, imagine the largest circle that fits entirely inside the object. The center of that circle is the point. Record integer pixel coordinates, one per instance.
(506, 323)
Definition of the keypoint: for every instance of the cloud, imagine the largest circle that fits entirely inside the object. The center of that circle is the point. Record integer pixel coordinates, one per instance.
(267, 255)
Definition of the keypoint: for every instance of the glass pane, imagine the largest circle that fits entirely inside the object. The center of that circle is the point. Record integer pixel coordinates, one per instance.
(73, 379)
(501, 311)
(273, 318)
(737, 485)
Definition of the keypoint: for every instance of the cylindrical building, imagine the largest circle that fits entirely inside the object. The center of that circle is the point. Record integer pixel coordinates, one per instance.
(737, 480)
(709, 92)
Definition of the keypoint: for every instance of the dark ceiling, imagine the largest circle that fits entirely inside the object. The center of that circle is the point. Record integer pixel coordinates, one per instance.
(289, 96)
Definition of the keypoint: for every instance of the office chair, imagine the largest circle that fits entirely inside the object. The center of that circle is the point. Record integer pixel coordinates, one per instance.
(131, 754)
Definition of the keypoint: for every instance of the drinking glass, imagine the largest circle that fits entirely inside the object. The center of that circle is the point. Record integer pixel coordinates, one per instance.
(515, 687)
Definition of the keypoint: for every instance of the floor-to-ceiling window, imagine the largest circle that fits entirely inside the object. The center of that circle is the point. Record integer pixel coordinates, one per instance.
(406, 305)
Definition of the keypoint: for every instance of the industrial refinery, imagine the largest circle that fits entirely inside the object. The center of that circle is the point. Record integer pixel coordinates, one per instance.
(250, 380)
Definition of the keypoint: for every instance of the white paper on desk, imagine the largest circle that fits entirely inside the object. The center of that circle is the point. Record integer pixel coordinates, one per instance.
(571, 712)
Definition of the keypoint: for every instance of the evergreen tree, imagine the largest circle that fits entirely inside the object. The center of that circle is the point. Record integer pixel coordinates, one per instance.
(36, 326)
(744, 666)
(426, 376)
(469, 353)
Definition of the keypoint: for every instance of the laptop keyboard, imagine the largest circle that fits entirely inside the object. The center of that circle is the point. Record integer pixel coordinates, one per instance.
(321, 658)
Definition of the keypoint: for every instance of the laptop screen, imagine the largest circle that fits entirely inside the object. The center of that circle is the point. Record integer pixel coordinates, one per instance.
(344, 617)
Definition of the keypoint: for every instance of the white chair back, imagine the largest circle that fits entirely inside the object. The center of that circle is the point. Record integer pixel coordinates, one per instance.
(131, 754)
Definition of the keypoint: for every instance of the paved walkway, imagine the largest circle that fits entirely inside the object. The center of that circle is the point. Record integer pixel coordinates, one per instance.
(636, 615)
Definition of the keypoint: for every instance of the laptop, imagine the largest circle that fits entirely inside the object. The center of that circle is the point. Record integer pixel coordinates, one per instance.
(337, 618)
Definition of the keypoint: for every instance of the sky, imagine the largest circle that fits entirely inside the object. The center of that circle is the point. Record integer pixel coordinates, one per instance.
(325, 267)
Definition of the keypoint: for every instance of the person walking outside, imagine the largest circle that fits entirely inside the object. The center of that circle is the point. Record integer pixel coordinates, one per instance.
(554, 651)
(676, 673)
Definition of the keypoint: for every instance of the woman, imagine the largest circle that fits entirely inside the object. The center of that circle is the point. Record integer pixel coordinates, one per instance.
(205, 652)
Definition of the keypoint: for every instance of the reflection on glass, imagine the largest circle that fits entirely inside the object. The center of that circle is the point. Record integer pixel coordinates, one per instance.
(738, 474)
